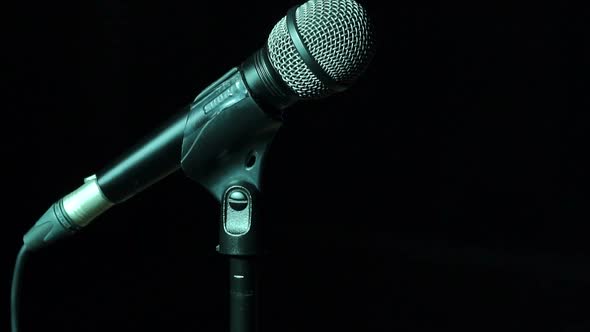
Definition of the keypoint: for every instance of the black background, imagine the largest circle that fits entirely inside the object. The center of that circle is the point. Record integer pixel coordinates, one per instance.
(446, 190)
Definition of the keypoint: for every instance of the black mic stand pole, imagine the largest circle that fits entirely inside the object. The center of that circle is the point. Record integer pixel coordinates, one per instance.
(239, 240)
(225, 140)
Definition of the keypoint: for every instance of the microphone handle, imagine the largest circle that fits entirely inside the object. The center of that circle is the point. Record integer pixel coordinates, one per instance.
(155, 157)
(152, 159)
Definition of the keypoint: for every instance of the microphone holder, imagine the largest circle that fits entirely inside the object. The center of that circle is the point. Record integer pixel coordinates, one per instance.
(225, 141)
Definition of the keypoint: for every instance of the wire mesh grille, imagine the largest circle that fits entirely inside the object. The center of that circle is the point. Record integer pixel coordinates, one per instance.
(337, 33)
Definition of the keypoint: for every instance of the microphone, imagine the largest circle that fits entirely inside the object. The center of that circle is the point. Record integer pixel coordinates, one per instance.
(318, 49)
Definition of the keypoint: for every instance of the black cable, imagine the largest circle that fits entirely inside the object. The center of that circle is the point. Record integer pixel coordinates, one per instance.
(15, 290)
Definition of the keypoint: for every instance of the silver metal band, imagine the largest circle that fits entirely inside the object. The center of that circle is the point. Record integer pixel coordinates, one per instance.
(86, 203)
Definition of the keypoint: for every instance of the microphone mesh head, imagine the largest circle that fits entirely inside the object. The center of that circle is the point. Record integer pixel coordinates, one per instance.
(338, 35)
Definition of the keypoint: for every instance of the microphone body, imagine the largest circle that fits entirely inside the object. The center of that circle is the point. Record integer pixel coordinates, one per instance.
(155, 157)
(159, 154)
(195, 135)
(152, 159)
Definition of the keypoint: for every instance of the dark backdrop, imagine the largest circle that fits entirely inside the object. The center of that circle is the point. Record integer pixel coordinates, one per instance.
(447, 190)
